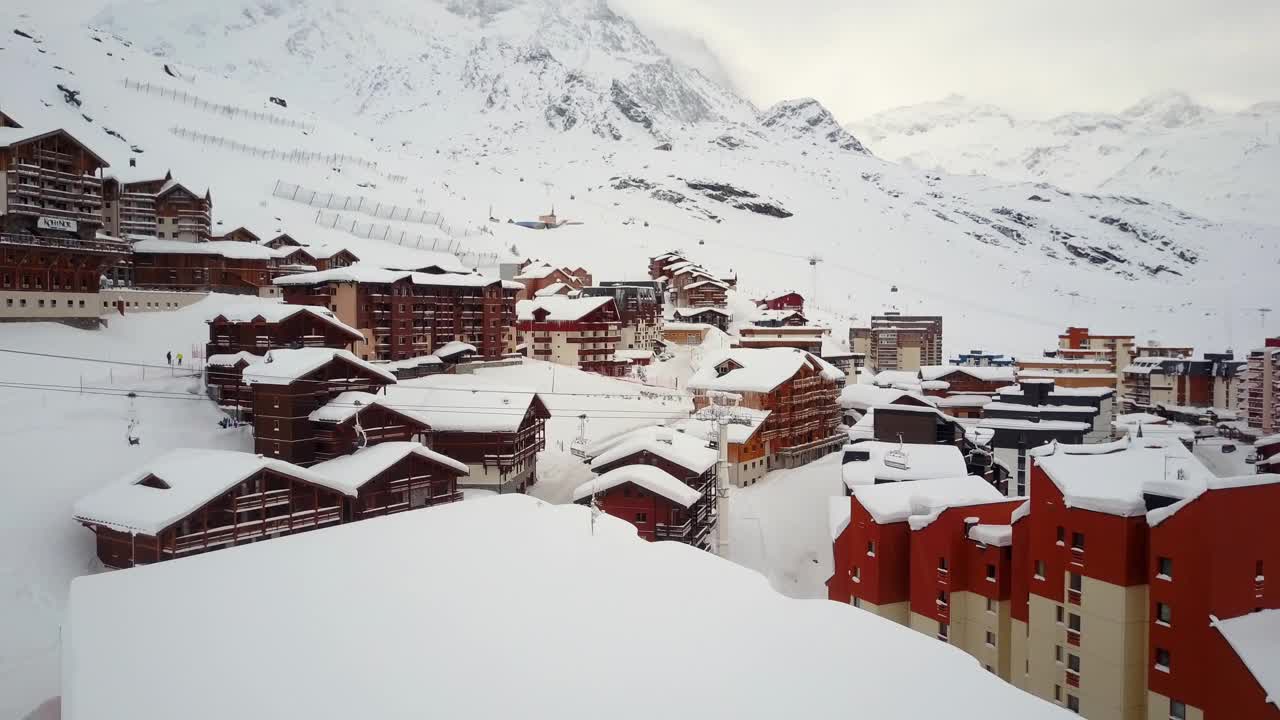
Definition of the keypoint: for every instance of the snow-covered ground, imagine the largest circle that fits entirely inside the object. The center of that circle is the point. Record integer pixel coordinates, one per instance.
(59, 444)
(1232, 464)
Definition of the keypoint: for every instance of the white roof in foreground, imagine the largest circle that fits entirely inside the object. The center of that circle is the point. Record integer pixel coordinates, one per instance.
(924, 462)
(354, 470)
(194, 478)
(654, 479)
(860, 396)
(281, 367)
(812, 655)
(1255, 638)
(763, 369)
(924, 499)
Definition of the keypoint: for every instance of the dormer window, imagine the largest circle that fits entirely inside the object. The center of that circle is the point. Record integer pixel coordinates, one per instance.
(152, 481)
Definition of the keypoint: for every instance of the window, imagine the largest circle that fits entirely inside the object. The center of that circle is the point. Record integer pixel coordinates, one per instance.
(1164, 613)
(1057, 654)
(1058, 612)
(1062, 535)
(1164, 568)
(1057, 693)
(1257, 571)
(871, 548)
(942, 564)
(857, 602)
(1076, 582)
(1039, 569)
(857, 574)
(991, 572)
(1163, 660)
(642, 518)
(9, 302)
(944, 630)
(1073, 704)
(41, 302)
(1077, 541)
(1073, 622)
(1073, 662)
(1177, 710)
(991, 638)
(991, 605)
(942, 598)
(277, 425)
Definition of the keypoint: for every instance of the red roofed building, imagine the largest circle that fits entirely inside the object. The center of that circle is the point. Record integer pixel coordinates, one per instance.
(783, 301)
(580, 332)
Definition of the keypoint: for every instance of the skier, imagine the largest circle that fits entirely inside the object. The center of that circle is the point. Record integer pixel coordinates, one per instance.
(179, 359)
(169, 357)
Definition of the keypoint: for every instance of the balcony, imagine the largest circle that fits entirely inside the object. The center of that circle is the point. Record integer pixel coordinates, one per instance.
(94, 246)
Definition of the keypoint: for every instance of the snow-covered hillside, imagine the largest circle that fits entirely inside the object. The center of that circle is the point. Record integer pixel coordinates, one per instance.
(502, 109)
(1166, 146)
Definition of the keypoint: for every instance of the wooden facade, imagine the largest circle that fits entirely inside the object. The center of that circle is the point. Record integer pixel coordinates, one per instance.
(51, 176)
(378, 424)
(670, 521)
(201, 272)
(259, 336)
(510, 457)
(282, 427)
(411, 316)
(269, 504)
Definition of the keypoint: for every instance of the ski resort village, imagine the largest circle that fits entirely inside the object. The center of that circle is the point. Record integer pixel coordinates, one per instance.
(481, 359)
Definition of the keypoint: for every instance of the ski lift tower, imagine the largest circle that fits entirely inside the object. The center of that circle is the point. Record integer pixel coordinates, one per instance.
(721, 412)
(814, 259)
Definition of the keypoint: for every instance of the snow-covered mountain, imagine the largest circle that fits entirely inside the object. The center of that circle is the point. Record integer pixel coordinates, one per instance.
(1164, 147)
(479, 109)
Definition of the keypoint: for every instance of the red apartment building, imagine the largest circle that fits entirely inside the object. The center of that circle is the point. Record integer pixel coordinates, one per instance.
(639, 311)
(1260, 389)
(797, 389)
(52, 252)
(932, 554)
(1126, 559)
(406, 314)
(156, 207)
(579, 332)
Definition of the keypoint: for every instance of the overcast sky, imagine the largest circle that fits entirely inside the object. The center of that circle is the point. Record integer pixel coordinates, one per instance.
(862, 56)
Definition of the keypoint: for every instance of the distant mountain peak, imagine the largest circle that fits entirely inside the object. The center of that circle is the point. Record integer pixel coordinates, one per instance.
(1168, 108)
(806, 117)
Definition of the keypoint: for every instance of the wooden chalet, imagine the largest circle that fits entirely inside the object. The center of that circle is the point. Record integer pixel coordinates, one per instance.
(687, 458)
(713, 316)
(282, 240)
(497, 433)
(658, 265)
(704, 293)
(261, 327)
(289, 385)
(797, 388)
(241, 234)
(393, 477)
(218, 266)
(192, 501)
(330, 258)
(656, 502)
(355, 419)
(964, 380)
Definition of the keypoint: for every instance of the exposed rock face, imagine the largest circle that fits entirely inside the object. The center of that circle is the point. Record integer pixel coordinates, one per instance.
(808, 118)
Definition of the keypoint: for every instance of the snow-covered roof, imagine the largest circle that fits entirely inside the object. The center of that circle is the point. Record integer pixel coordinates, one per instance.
(923, 462)
(889, 378)
(701, 426)
(964, 401)
(1139, 418)
(999, 535)
(1112, 477)
(701, 283)
(354, 470)
(223, 248)
(677, 447)
(984, 373)
(860, 396)
(989, 423)
(561, 308)
(537, 271)
(776, 315)
(900, 501)
(455, 347)
(694, 312)
(813, 655)
(194, 478)
(760, 369)
(555, 288)
(651, 478)
(455, 408)
(685, 326)
(323, 252)
(1267, 440)
(370, 273)
(278, 312)
(1018, 407)
(1255, 638)
(282, 367)
(839, 514)
(230, 359)
(1069, 374)
(1061, 391)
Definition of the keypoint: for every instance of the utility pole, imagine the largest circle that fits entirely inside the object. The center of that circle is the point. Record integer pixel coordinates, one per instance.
(722, 486)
